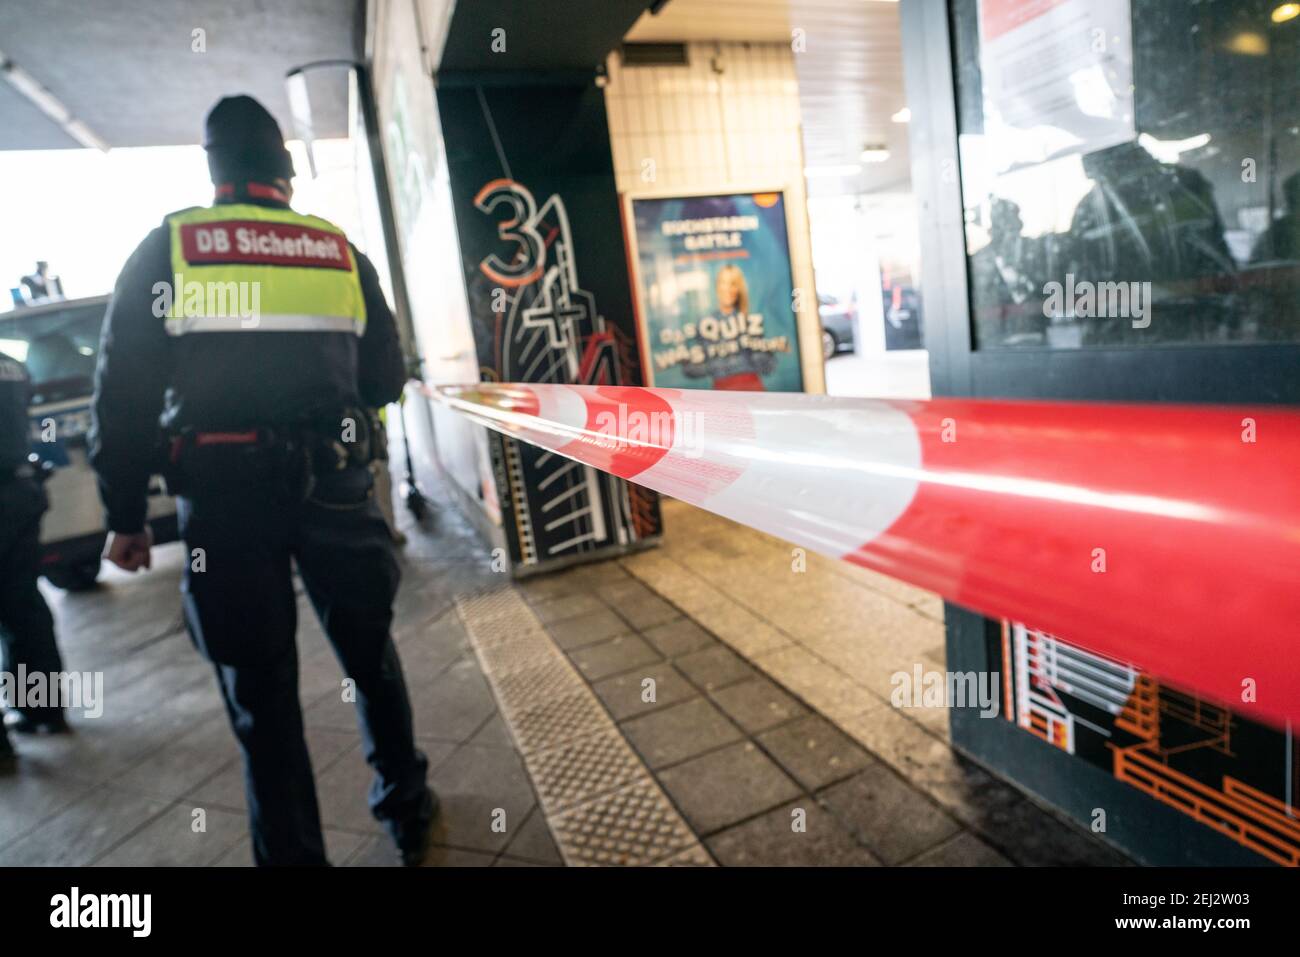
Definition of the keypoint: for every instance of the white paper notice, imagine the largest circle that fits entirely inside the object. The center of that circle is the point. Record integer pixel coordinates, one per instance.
(1057, 77)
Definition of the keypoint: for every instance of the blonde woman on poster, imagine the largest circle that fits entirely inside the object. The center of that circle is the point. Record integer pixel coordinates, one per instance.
(724, 330)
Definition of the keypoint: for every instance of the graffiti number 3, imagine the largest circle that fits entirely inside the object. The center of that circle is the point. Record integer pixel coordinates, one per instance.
(530, 258)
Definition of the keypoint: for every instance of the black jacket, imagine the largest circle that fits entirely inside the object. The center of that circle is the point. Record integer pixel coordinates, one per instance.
(15, 392)
(148, 381)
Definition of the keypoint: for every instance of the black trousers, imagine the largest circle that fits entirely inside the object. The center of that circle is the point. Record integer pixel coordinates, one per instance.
(26, 626)
(242, 615)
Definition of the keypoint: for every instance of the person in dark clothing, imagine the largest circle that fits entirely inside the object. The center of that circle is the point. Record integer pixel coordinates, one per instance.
(1280, 242)
(26, 626)
(250, 339)
(40, 285)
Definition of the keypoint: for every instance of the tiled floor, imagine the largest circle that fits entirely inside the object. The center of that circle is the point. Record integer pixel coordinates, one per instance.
(756, 693)
(754, 682)
(157, 779)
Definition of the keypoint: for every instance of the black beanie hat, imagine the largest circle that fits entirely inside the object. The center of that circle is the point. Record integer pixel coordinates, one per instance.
(244, 143)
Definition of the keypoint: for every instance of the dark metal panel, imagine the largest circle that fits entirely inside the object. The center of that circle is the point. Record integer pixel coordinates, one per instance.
(928, 77)
(572, 35)
(1224, 374)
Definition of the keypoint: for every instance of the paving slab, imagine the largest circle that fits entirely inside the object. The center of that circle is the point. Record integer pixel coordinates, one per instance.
(726, 786)
(613, 657)
(679, 636)
(184, 835)
(682, 731)
(486, 794)
(964, 850)
(454, 705)
(896, 821)
(564, 607)
(379, 852)
(36, 790)
(814, 752)
(757, 704)
(714, 668)
(628, 695)
(90, 826)
(533, 842)
(587, 629)
(798, 834)
(339, 847)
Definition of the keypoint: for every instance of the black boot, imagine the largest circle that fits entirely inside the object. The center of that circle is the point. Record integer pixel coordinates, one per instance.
(414, 834)
(44, 721)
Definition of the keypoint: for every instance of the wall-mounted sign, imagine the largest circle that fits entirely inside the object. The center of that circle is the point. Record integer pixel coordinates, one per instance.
(714, 291)
(1057, 75)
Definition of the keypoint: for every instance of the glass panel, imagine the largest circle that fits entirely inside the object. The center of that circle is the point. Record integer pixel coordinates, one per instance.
(60, 347)
(1130, 170)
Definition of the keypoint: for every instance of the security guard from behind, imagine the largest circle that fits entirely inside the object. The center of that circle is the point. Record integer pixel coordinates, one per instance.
(26, 626)
(245, 342)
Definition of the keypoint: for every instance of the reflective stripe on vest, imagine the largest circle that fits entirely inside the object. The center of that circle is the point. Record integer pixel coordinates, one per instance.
(246, 268)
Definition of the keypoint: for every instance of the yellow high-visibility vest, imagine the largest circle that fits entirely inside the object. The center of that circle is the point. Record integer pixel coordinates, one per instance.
(246, 268)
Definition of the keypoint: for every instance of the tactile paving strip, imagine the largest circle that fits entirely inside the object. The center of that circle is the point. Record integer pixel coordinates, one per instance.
(602, 803)
(526, 653)
(584, 768)
(550, 679)
(552, 720)
(633, 825)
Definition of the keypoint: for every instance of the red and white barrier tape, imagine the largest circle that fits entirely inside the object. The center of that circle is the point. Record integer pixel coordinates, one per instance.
(1165, 536)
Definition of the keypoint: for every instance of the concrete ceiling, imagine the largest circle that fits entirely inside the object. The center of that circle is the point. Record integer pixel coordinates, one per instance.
(850, 74)
(126, 69)
(132, 78)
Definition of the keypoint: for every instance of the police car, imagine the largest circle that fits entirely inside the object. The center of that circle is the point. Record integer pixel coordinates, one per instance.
(59, 342)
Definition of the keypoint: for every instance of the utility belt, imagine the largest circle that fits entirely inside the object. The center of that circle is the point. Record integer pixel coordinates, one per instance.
(289, 459)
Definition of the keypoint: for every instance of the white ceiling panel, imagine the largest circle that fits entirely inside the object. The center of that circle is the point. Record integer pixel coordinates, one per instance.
(850, 74)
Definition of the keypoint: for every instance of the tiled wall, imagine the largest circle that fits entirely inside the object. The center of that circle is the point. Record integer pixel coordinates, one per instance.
(729, 120)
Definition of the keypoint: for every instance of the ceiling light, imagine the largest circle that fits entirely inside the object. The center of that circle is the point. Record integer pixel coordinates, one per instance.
(903, 116)
(1287, 11)
(1248, 44)
(45, 101)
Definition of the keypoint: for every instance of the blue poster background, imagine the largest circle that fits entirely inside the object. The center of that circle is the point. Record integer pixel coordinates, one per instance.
(716, 292)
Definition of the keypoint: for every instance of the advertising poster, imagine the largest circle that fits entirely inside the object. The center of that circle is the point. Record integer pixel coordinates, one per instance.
(1057, 75)
(715, 292)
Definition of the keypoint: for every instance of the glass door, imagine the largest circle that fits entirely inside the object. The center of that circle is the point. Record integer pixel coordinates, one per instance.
(1112, 212)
